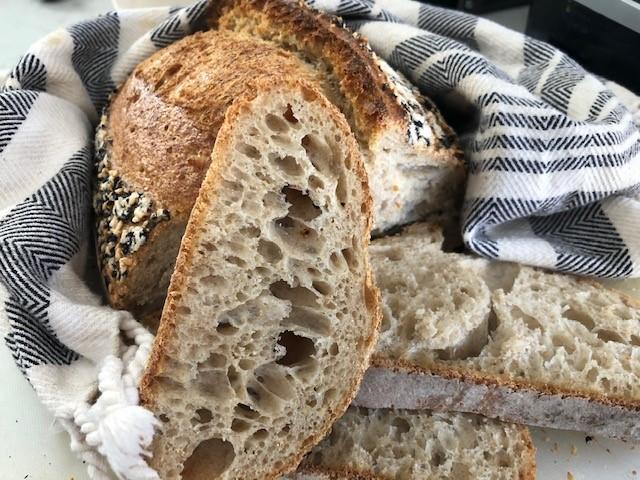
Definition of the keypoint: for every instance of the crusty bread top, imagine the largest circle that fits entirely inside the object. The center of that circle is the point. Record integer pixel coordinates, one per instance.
(165, 119)
(159, 131)
(378, 101)
(167, 114)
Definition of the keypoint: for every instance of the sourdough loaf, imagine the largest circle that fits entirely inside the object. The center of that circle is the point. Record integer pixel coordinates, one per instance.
(401, 444)
(271, 313)
(503, 340)
(155, 140)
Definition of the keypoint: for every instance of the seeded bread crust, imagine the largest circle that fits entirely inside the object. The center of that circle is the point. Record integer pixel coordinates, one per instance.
(150, 387)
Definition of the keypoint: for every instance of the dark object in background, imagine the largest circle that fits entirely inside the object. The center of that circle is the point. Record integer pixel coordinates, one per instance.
(606, 43)
(443, 3)
(477, 6)
(484, 6)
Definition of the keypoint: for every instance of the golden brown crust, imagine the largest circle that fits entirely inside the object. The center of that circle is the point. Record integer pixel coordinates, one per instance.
(319, 38)
(148, 387)
(455, 372)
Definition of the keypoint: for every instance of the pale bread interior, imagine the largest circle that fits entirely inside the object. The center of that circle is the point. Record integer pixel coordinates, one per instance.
(273, 317)
(408, 445)
(503, 319)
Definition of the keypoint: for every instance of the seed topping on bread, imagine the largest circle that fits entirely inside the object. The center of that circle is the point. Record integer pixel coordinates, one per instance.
(125, 216)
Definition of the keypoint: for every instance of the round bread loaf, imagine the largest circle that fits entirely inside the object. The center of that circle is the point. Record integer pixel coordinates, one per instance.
(156, 138)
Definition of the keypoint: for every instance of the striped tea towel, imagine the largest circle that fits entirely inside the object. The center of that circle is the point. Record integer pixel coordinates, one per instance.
(554, 161)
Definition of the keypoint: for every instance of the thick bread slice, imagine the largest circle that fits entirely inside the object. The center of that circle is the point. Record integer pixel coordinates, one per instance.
(404, 445)
(411, 155)
(271, 313)
(500, 339)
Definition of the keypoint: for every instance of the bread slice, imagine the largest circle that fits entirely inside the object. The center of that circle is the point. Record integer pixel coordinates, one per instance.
(503, 340)
(271, 314)
(411, 154)
(157, 135)
(403, 444)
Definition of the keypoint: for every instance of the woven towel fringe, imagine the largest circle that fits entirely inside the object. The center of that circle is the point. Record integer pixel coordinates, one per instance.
(115, 425)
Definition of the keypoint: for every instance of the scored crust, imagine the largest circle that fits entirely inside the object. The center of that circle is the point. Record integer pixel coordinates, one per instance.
(293, 23)
(149, 386)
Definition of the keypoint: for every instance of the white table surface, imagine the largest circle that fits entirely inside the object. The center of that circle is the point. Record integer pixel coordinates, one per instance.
(32, 447)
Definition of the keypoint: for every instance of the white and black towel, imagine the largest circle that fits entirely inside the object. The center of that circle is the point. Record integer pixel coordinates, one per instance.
(553, 155)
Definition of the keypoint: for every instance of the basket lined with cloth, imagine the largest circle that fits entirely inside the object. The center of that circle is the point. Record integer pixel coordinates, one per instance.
(554, 173)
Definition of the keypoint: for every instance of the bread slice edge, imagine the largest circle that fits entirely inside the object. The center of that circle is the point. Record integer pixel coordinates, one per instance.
(462, 390)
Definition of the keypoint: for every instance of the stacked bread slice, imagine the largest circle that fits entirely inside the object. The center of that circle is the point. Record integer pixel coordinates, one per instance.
(503, 340)
(404, 444)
